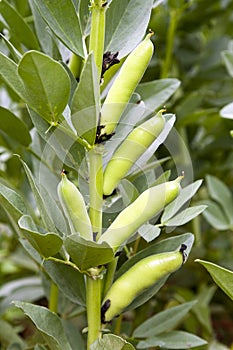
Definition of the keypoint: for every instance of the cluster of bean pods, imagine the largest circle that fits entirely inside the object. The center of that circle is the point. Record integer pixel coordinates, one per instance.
(152, 268)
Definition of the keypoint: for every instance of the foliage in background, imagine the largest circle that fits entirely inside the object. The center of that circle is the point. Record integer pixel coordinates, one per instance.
(192, 40)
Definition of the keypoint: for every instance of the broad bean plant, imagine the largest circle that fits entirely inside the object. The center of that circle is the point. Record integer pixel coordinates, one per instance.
(96, 208)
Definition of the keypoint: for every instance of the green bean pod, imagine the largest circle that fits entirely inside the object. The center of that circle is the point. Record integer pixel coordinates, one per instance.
(74, 208)
(135, 144)
(124, 85)
(147, 205)
(139, 277)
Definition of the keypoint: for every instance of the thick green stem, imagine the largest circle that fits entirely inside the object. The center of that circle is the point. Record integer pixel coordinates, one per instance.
(53, 300)
(93, 286)
(170, 43)
(96, 188)
(93, 303)
(98, 8)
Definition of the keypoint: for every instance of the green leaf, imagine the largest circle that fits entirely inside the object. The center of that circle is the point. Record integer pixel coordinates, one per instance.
(17, 26)
(14, 127)
(227, 111)
(45, 36)
(47, 244)
(61, 17)
(8, 335)
(221, 194)
(156, 93)
(85, 107)
(228, 60)
(87, 254)
(185, 195)
(173, 340)
(28, 288)
(163, 321)
(111, 341)
(69, 280)
(215, 216)
(66, 148)
(49, 225)
(9, 74)
(46, 83)
(84, 16)
(73, 334)
(202, 309)
(12, 202)
(123, 31)
(221, 276)
(14, 52)
(185, 216)
(48, 323)
(128, 191)
(149, 232)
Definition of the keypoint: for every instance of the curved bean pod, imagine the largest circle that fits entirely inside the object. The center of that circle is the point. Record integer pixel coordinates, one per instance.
(147, 205)
(140, 276)
(126, 82)
(74, 208)
(135, 144)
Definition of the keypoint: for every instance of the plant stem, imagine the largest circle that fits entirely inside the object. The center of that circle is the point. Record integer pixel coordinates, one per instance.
(93, 286)
(96, 188)
(174, 17)
(117, 330)
(93, 303)
(97, 34)
(53, 300)
(197, 231)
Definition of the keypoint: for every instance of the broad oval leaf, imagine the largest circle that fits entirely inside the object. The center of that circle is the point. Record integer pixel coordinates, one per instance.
(40, 200)
(47, 244)
(69, 280)
(173, 340)
(87, 254)
(14, 127)
(156, 93)
(215, 216)
(123, 31)
(48, 323)
(27, 288)
(9, 74)
(221, 276)
(185, 215)
(14, 52)
(17, 26)
(111, 341)
(185, 195)
(221, 194)
(46, 83)
(12, 202)
(149, 232)
(67, 149)
(163, 321)
(85, 107)
(64, 22)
